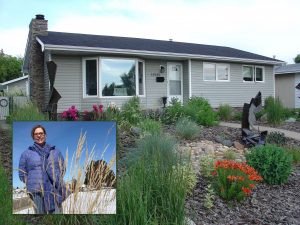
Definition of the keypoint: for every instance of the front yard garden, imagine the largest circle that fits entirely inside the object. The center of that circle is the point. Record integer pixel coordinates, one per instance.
(177, 166)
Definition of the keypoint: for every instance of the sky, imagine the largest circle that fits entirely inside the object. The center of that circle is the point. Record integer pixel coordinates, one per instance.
(64, 136)
(265, 27)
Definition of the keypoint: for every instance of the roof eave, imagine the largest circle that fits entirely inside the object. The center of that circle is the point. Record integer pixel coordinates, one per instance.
(151, 53)
(15, 80)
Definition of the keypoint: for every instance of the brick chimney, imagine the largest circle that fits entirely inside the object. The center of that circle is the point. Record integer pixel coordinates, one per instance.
(38, 26)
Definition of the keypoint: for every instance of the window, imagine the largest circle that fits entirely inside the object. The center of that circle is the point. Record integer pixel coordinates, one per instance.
(209, 71)
(253, 73)
(175, 80)
(115, 77)
(90, 84)
(215, 72)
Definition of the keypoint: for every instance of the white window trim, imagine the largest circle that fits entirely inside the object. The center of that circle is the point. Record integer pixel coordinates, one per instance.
(84, 59)
(144, 83)
(216, 71)
(263, 74)
(254, 74)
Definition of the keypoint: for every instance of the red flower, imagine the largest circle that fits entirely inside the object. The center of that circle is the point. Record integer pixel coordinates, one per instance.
(247, 191)
(95, 108)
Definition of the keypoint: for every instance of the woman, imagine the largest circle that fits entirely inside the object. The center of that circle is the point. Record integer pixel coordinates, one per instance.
(41, 168)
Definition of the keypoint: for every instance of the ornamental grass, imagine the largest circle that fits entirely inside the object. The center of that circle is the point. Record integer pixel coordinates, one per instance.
(234, 180)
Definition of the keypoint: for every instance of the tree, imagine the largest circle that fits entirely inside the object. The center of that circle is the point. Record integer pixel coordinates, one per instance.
(297, 59)
(129, 81)
(10, 67)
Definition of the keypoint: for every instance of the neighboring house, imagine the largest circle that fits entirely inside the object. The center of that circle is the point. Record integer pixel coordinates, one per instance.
(287, 85)
(102, 69)
(16, 86)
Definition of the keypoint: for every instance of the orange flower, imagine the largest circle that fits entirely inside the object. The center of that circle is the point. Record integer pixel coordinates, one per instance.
(247, 191)
(251, 186)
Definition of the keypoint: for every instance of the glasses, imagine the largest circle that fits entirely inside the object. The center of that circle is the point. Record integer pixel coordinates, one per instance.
(38, 134)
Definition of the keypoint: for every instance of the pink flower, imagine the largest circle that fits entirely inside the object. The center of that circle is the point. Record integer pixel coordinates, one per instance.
(64, 114)
(95, 108)
(73, 107)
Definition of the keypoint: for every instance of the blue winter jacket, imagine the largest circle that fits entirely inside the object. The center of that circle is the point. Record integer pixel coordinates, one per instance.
(42, 170)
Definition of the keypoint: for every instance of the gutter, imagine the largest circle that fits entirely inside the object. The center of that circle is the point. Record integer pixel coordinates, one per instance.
(150, 53)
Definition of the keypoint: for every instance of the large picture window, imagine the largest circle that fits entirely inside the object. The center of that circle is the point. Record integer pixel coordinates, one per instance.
(113, 77)
(253, 73)
(215, 72)
(118, 77)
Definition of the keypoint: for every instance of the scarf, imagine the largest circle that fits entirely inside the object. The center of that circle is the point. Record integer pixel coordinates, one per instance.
(44, 152)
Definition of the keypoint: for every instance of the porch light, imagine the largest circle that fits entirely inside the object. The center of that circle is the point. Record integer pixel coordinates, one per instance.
(162, 69)
(164, 100)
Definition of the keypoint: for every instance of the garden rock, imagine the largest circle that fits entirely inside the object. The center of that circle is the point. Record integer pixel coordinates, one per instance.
(291, 120)
(136, 131)
(238, 145)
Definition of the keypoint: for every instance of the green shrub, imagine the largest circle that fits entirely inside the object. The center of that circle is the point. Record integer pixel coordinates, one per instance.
(272, 163)
(131, 111)
(150, 126)
(187, 128)
(229, 154)
(209, 197)
(188, 176)
(294, 153)
(153, 114)
(274, 110)
(225, 112)
(199, 110)
(173, 112)
(207, 165)
(238, 116)
(27, 112)
(260, 114)
(276, 137)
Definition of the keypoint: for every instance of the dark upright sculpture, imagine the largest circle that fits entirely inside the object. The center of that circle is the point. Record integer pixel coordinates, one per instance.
(54, 95)
(249, 119)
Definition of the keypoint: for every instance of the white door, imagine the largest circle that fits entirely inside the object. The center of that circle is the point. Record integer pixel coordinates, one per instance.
(175, 81)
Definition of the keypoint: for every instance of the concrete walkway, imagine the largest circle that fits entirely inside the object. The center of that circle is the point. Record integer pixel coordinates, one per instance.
(287, 133)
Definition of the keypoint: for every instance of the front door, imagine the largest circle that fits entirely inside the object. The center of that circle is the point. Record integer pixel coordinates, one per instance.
(175, 81)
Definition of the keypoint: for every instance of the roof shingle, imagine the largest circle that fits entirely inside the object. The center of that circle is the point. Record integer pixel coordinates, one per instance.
(138, 44)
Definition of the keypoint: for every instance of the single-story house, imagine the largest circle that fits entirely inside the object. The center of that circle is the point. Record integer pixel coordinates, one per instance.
(97, 69)
(18, 86)
(287, 84)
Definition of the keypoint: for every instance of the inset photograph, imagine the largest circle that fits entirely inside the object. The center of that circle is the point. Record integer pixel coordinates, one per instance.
(64, 167)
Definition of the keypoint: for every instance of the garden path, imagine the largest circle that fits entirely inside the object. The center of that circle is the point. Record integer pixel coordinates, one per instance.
(290, 134)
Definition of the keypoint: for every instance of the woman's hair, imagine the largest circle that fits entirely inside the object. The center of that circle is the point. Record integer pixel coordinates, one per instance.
(35, 127)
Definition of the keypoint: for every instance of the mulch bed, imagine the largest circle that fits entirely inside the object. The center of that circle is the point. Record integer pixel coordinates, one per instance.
(277, 204)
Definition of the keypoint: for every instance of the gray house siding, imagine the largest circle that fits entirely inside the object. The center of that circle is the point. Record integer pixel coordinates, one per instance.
(283, 92)
(17, 86)
(68, 81)
(185, 81)
(155, 90)
(236, 92)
